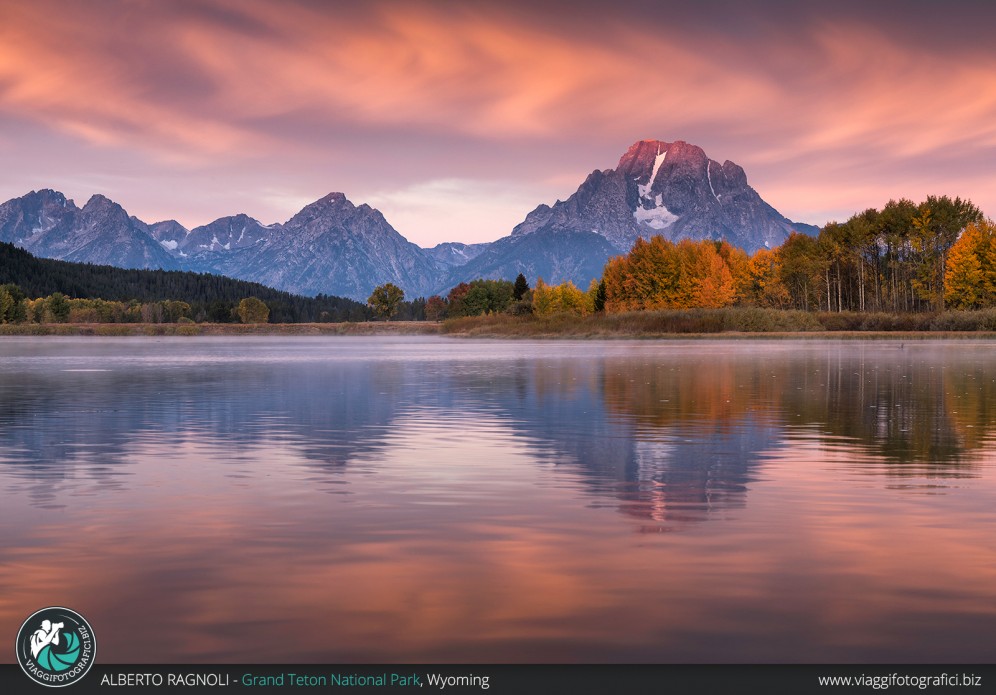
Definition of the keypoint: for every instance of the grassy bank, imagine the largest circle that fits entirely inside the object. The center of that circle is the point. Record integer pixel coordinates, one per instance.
(740, 322)
(221, 329)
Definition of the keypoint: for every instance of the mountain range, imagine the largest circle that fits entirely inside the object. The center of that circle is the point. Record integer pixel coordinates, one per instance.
(334, 247)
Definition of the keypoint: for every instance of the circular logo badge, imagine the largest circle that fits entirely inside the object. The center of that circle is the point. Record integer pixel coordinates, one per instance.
(55, 647)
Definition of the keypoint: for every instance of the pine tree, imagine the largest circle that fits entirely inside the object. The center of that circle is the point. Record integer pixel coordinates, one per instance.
(520, 287)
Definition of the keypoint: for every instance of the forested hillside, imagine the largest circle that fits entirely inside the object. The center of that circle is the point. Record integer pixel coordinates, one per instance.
(211, 296)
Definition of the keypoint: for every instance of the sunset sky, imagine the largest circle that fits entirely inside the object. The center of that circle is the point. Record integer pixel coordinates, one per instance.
(457, 118)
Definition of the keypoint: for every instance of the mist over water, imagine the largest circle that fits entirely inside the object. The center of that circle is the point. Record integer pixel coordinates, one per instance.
(423, 499)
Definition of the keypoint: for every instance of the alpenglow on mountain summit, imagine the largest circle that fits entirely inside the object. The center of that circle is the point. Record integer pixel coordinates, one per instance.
(335, 247)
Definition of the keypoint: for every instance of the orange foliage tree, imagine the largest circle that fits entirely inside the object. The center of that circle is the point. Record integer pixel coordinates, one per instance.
(659, 274)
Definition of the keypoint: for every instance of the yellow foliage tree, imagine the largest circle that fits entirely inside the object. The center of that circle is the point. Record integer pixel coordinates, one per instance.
(965, 282)
(738, 262)
(764, 285)
(253, 310)
(562, 298)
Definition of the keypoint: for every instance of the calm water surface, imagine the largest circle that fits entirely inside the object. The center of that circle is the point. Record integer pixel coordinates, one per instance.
(422, 499)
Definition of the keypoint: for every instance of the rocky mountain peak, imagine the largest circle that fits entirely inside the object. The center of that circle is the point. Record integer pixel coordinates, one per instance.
(334, 200)
(642, 155)
(107, 214)
(47, 196)
(331, 204)
(665, 188)
(99, 201)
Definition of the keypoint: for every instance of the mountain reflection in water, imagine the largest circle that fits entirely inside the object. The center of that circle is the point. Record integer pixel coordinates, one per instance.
(427, 499)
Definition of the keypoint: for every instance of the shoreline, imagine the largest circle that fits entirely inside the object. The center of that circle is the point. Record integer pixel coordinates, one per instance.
(123, 330)
(502, 331)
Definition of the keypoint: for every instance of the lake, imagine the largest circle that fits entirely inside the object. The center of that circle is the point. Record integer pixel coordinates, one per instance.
(422, 499)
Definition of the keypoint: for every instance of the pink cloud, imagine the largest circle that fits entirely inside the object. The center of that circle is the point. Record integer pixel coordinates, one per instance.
(326, 91)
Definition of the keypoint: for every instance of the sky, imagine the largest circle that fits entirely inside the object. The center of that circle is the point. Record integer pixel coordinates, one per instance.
(456, 118)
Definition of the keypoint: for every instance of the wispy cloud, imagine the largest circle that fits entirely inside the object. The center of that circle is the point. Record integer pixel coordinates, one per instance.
(318, 96)
(461, 209)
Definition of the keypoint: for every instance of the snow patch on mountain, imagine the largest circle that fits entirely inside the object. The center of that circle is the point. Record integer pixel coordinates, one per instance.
(658, 160)
(709, 176)
(658, 217)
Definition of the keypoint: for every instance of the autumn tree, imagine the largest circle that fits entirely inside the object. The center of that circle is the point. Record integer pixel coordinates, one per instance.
(385, 299)
(969, 273)
(707, 276)
(800, 270)
(454, 300)
(935, 230)
(659, 274)
(253, 310)
(564, 298)
(435, 308)
(737, 261)
(764, 286)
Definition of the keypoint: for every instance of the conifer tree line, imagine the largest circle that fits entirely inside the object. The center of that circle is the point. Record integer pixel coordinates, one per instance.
(44, 290)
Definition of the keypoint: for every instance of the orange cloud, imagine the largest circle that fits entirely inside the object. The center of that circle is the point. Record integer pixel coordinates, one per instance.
(214, 85)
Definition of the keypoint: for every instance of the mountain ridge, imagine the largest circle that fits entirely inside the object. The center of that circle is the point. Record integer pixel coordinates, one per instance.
(332, 246)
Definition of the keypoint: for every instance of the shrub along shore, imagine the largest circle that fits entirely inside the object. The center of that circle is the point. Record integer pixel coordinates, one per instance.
(733, 322)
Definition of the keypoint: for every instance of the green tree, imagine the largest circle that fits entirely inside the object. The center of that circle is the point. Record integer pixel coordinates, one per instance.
(253, 310)
(520, 288)
(58, 307)
(18, 311)
(13, 304)
(220, 311)
(174, 310)
(941, 222)
(596, 294)
(6, 306)
(384, 300)
(487, 297)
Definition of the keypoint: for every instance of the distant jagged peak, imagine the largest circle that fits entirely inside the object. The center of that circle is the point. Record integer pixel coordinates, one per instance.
(167, 223)
(241, 220)
(100, 202)
(49, 194)
(46, 197)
